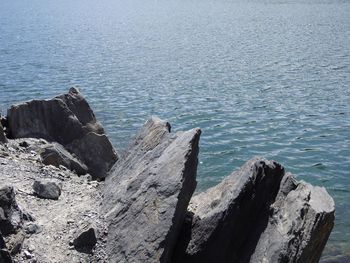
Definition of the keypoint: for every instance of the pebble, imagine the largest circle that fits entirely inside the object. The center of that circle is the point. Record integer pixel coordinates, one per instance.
(27, 254)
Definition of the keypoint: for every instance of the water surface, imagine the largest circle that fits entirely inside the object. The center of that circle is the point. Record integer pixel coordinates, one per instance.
(265, 77)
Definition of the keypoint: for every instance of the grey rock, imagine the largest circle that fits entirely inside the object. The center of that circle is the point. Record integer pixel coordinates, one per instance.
(48, 119)
(56, 155)
(5, 256)
(27, 254)
(147, 193)
(299, 226)
(11, 216)
(32, 228)
(24, 144)
(68, 120)
(85, 239)
(77, 104)
(224, 221)
(96, 151)
(3, 138)
(47, 189)
(15, 243)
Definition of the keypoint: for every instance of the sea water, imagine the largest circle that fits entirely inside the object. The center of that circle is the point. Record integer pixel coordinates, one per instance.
(262, 77)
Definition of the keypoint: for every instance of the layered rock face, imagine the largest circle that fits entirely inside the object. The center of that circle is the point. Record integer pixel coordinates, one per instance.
(147, 194)
(68, 120)
(257, 214)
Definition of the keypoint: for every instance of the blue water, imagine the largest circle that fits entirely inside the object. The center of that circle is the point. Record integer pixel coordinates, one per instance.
(266, 77)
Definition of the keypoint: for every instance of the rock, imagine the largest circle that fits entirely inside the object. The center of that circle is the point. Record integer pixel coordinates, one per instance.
(96, 152)
(32, 228)
(147, 193)
(11, 216)
(85, 239)
(15, 243)
(47, 189)
(5, 256)
(24, 144)
(3, 138)
(56, 155)
(77, 104)
(27, 254)
(301, 221)
(226, 217)
(68, 120)
(258, 214)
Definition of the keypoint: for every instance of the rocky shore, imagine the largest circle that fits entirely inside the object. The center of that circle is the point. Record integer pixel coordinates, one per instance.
(67, 196)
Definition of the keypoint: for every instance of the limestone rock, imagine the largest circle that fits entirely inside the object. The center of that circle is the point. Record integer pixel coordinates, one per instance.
(47, 189)
(299, 226)
(68, 120)
(147, 193)
(226, 217)
(56, 155)
(11, 216)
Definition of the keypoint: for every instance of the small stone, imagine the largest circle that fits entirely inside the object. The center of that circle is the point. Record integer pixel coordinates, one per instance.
(31, 248)
(27, 254)
(3, 138)
(47, 189)
(86, 238)
(24, 144)
(32, 228)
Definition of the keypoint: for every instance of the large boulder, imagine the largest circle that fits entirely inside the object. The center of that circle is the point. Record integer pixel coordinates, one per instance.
(68, 120)
(11, 216)
(148, 192)
(257, 214)
(225, 218)
(301, 220)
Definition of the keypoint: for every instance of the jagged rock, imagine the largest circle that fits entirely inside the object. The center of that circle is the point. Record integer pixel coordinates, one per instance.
(257, 214)
(5, 256)
(147, 193)
(56, 155)
(11, 216)
(3, 138)
(299, 226)
(68, 120)
(85, 238)
(226, 216)
(47, 189)
(81, 109)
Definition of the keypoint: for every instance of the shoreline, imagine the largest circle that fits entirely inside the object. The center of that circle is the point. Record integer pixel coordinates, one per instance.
(156, 151)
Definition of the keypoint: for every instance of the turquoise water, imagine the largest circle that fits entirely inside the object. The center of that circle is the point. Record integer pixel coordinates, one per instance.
(267, 77)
